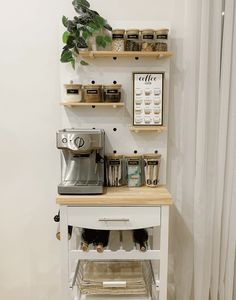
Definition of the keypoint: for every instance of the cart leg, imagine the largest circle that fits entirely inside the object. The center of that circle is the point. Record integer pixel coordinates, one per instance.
(164, 251)
(64, 253)
(156, 246)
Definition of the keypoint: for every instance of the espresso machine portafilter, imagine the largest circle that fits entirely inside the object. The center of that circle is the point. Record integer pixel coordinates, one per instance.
(82, 161)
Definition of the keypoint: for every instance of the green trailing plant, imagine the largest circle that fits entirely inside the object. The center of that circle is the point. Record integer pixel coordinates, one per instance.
(86, 24)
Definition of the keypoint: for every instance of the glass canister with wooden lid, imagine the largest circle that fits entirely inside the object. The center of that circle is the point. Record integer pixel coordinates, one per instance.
(93, 93)
(148, 41)
(132, 42)
(73, 92)
(112, 93)
(161, 37)
(118, 40)
(151, 169)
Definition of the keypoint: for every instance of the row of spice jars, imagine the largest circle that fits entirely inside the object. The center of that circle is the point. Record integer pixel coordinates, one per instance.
(133, 170)
(140, 40)
(92, 93)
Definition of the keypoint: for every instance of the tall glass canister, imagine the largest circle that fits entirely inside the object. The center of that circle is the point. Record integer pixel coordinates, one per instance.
(162, 43)
(118, 40)
(148, 41)
(132, 42)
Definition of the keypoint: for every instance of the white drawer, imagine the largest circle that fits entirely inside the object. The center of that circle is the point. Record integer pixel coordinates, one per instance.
(114, 218)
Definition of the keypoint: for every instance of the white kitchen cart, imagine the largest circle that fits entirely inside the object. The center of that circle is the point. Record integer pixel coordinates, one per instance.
(120, 208)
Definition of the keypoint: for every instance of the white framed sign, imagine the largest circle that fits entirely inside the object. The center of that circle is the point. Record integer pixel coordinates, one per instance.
(148, 98)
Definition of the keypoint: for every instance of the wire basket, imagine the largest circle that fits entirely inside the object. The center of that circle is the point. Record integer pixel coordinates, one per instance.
(116, 278)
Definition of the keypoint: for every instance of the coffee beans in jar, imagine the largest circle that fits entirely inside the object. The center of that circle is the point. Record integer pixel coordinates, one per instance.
(162, 39)
(132, 42)
(93, 93)
(148, 41)
(118, 40)
(112, 93)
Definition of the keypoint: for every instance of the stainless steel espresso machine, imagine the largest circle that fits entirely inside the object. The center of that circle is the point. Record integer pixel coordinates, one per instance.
(82, 158)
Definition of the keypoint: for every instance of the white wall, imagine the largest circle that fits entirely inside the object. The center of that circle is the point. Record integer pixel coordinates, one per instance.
(29, 117)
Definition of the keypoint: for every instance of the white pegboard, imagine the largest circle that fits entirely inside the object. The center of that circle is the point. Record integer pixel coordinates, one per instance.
(105, 71)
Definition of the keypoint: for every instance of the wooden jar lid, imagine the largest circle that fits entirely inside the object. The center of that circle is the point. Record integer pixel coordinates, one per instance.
(112, 86)
(152, 155)
(73, 85)
(118, 31)
(114, 156)
(132, 31)
(147, 31)
(92, 86)
(133, 156)
(162, 31)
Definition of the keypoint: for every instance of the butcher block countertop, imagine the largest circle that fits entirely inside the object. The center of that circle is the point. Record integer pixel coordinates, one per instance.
(121, 196)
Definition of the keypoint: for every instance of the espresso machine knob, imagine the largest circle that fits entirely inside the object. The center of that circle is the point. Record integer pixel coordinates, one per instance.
(79, 142)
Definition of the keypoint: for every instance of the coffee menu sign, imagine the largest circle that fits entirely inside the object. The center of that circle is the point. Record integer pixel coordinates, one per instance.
(148, 99)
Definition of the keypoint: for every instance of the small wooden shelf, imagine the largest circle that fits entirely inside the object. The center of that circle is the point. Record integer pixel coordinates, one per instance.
(134, 54)
(100, 104)
(138, 129)
(124, 196)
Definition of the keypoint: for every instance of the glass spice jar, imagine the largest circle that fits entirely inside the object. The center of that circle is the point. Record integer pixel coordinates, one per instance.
(112, 93)
(118, 40)
(93, 93)
(148, 42)
(162, 39)
(132, 42)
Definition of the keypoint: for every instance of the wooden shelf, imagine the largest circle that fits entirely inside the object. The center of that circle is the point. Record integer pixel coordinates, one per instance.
(121, 196)
(134, 54)
(138, 129)
(102, 104)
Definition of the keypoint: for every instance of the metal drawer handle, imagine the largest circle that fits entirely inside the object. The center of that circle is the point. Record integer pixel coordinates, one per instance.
(111, 284)
(113, 220)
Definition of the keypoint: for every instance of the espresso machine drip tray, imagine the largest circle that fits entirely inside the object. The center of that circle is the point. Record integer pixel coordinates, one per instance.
(80, 187)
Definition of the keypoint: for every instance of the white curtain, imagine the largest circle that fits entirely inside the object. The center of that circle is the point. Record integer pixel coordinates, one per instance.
(202, 153)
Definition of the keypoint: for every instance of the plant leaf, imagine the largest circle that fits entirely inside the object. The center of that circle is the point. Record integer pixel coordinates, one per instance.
(73, 63)
(108, 39)
(65, 37)
(71, 41)
(93, 27)
(107, 26)
(76, 50)
(85, 3)
(64, 21)
(83, 63)
(99, 20)
(66, 56)
(85, 34)
(71, 26)
(81, 43)
(100, 40)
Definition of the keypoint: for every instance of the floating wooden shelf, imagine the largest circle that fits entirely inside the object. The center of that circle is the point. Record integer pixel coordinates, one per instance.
(138, 129)
(102, 104)
(124, 196)
(135, 54)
